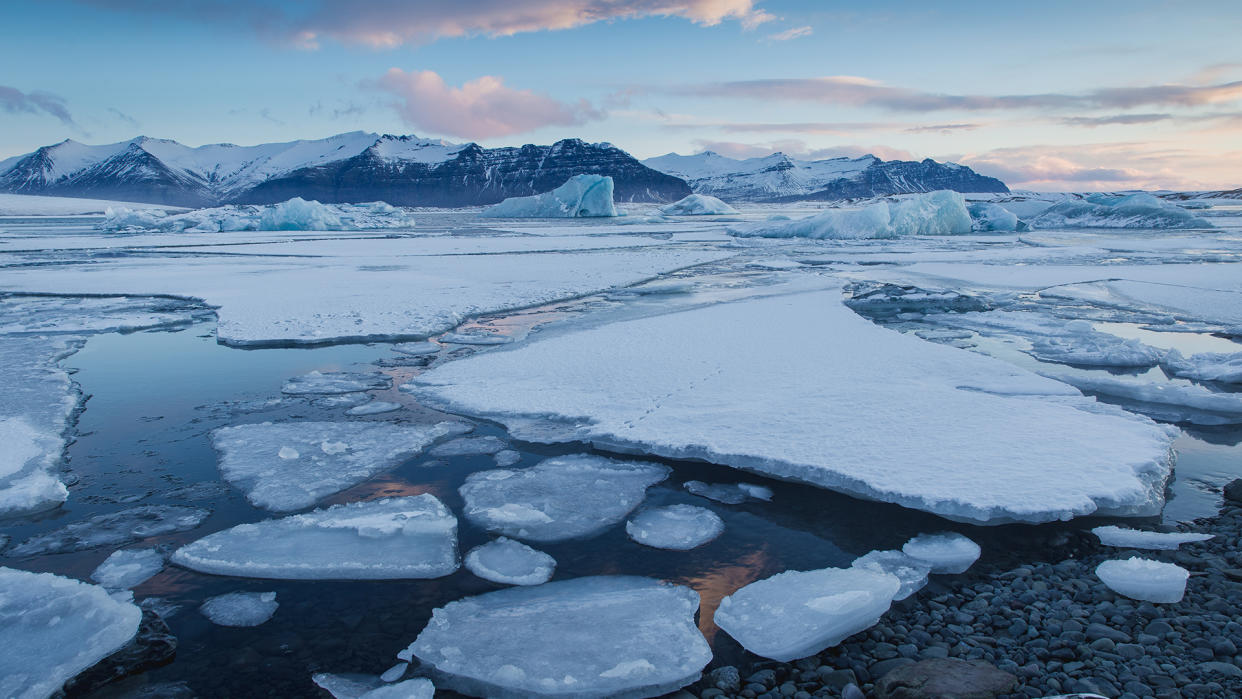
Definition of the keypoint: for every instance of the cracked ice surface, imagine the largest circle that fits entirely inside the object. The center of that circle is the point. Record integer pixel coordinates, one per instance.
(879, 414)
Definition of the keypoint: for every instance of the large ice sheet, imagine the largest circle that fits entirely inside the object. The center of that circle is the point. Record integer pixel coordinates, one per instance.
(565, 497)
(697, 205)
(580, 196)
(878, 414)
(33, 205)
(510, 562)
(599, 636)
(296, 214)
(675, 527)
(934, 213)
(393, 538)
(1134, 211)
(799, 613)
(52, 628)
(289, 466)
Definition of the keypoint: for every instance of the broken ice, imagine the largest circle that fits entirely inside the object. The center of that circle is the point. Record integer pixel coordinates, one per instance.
(675, 527)
(510, 562)
(333, 382)
(947, 552)
(113, 529)
(1122, 537)
(1208, 366)
(1144, 579)
(910, 571)
(129, 568)
(375, 407)
(296, 214)
(469, 446)
(240, 608)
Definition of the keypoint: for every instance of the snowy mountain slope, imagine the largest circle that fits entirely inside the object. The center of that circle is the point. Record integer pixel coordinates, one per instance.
(778, 177)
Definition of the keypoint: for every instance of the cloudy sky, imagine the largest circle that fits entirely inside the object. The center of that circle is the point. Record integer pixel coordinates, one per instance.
(1097, 95)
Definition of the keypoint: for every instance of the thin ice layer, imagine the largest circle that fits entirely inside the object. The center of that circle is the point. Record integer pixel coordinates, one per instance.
(615, 636)
(52, 628)
(394, 538)
(1145, 579)
(113, 529)
(844, 405)
(335, 382)
(910, 571)
(947, 552)
(1122, 537)
(510, 562)
(129, 568)
(675, 527)
(289, 466)
(799, 613)
(240, 608)
(580, 196)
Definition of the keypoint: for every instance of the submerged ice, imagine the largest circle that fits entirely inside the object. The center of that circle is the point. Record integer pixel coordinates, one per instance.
(128, 568)
(580, 196)
(113, 529)
(911, 572)
(948, 552)
(335, 382)
(240, 608)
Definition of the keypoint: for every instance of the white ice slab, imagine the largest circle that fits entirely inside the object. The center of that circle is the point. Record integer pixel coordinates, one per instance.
(600, 636)
(947, 552)
(128, 568)
(1144, 579)
(910, 571)
(1122, 537)
(240, 608)
(510, 562)
(675, 527)
(394, 538)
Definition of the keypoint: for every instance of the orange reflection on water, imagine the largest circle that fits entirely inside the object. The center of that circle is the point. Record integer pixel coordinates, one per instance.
(723, 580)
(388, 486)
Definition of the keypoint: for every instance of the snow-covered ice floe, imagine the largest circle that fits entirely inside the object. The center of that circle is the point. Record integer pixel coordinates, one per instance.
(52, 628)
(880, 414)
(948, 552)
(795, 614)
(335, 382)
(1207, 366)
(129, 568)
(580, 196)
(289, 466)
(1122, 537)
(1103, 211)
(615, 636)
(113, 529)
(393, 538)
(910, 571)
(565, 497)
(1145, 579)
(934, 213)
(675, 527)
(296, 214)
(240, 608)
(697, 205)
(510, 562)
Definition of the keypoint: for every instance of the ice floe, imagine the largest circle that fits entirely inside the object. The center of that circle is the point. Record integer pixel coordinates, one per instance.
(697, 205)
(565, 497)
(795, 614)
(1144, 579)
(506, 458)
(240, 608)
(52, 628)
(296, 214)
(417, 688)
(580, 196)
(1134, 211)
(1196, 404)
(289, 466)
(597, 636)
(1122, 537)
(128, 568)
(416, 349)
(375, 407)
(510, 562)
(910, 571)
(393, 538)
(113, 529)
(934, 213)
(335, 382)
(1207, 366)
(346, 686)
(469, 446)
(947, 552)
(675, 527)
(1081, 344)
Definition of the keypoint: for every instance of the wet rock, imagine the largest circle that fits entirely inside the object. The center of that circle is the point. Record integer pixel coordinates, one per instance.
(153, 646)
(1233, 491)
(726, 678)
(945, 677)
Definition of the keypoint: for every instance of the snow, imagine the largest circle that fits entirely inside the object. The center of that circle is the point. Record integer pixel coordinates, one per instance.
(113, 529)
(947, 552)
(615, 636)
(697, 205)
(128, 568)
(1207, 366)
(1122, 537)
(469, 446)
(334, 382)
(990, 217)
(580, 196)
(796, 614)
(565, 497)
(52, 628)
(510, 562)
(880, 415)
(935, 213)
(910, 571)
(767, 177)
(388, 539)
(1134, 211)
(1144, 579)
(240, 608)
(32, 205)
(322, 458)
(375, 407)
(675, 527)
(296, 214)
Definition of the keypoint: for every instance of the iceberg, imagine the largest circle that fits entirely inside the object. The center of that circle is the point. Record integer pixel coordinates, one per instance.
(615, 636)
(697, 205)
(948, 552)
(796, 614)
(334, 383)
(994, 218)
(675, 527)
(1134, 211)
(910, 572)
(1122, 537)
(52, 628)
(240, 608)
(1207, 366)
(289, 466)
(130, 568)
(1144, 579)
(389, 539)
(296, 214)
(934, 213)
(580, 196)
(510, 562)
(113, 529)
(565, 497)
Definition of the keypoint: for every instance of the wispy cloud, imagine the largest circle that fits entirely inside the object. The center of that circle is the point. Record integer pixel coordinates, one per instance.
(124, 118)
(14, 101)
(1109, 166)
(479, 109)
(794, 33)
(942, 128)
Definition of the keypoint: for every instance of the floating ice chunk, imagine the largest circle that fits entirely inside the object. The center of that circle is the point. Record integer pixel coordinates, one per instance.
(52, 628)
(728, 493)
(910, 571)
(417, 688)
(948, 552)
(296, 214)
(580, 196)
(1082, 344)
(322, 457)
(375, 407)
(1134, 211)
(989, 217)
(506, 458)
(393, 538)
(1223, 408)
(240, 608)
(346, 686)
(1144, 579)
(469, 446)
(1122, 537)
(934, 213)
(510, 562)
(599, 636)
(113, 529)
(1208, 366)
(130, 568)
(758, 492)
(565, 497)
(799, 613)
(697, 205)
(334, 382)
(475, 338)
(341, 400)
(395, 672)
(416, 349)
(675, 527)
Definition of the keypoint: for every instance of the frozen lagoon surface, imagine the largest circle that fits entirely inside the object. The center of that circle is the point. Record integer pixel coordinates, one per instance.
(139, 469)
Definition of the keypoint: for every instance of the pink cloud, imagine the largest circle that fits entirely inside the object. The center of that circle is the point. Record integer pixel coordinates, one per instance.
(479, 109)
(1109, 167)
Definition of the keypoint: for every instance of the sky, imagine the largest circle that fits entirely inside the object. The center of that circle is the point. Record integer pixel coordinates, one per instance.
(1054, 95)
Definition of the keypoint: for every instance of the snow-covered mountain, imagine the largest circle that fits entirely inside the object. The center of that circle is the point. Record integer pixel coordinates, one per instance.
(778, 177)
(349, 167)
